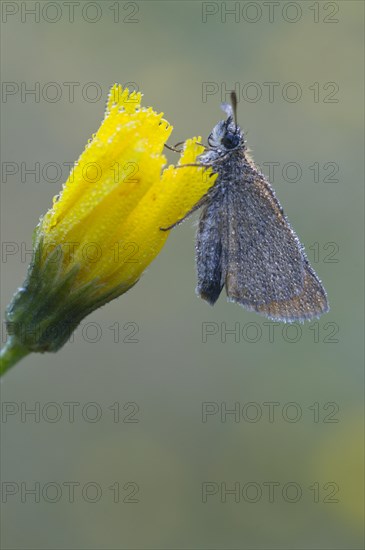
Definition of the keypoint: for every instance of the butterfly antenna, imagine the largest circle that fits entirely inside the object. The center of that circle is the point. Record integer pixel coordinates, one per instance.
(234, 108)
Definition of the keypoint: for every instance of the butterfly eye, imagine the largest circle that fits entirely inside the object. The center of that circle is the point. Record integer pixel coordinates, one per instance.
(230, 141)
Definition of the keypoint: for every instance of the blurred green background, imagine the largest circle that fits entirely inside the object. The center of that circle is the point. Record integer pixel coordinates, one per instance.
(312, 376)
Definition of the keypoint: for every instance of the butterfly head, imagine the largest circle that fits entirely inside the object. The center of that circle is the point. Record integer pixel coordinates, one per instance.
(227, 135)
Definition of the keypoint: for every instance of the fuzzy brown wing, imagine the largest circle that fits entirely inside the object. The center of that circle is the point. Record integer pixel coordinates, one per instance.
(266, 267)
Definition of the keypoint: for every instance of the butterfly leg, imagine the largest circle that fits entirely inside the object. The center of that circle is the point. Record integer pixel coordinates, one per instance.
(196, 207)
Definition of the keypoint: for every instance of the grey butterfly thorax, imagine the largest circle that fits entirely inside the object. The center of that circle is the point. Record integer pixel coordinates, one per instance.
(234, 172)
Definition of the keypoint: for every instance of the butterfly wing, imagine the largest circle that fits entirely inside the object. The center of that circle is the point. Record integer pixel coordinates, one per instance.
(266, 268)
(210, 258)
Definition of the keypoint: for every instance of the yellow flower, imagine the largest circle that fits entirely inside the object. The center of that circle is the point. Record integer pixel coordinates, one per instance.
(110, 211)
(104, 228)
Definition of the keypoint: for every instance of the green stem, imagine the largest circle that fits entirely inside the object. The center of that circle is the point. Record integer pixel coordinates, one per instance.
(12, 352)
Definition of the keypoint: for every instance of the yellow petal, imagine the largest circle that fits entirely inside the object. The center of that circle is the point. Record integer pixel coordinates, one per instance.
(109, 214)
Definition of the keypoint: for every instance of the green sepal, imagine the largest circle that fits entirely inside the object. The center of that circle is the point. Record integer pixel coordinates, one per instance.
(50, 305)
